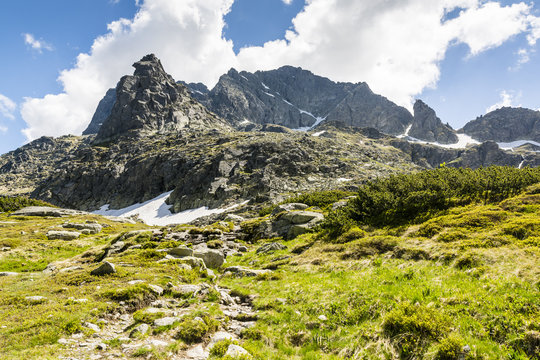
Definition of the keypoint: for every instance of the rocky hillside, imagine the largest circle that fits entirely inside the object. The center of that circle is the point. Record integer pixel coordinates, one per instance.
(441, 265)
(505, 125)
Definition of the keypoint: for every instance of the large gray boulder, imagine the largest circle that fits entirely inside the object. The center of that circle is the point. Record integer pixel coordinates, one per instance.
(88, 228)
(106, 268)
(212, 258)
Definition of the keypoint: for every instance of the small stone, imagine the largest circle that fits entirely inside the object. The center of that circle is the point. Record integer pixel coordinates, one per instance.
(101, 346)
(166, 321)
(322, 318)
(141, 329)
(134, 282)
(237, 351)
(242, 248)
(36, 299)
(93, 327)
(241, 271)
(158, 290)
(63, 341)
(185, 290)
(157, 343)
(105, 268)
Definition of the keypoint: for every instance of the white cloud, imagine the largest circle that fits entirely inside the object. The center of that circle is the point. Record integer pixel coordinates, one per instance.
(7, 107)
(396, 46)
(506, 99)
(38, 45)
(3, 129)
(287, 2)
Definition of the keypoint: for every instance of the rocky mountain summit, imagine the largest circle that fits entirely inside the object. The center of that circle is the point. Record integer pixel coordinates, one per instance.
(427, 126)
(505, 125)
(296, 98)
(152, 101)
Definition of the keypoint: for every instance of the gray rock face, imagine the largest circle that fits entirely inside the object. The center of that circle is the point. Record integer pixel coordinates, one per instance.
(297, 98)
(427, 126)
(103, 111)
(151, 101)
(63, 235)
(486, 154)
(180, 251)
(105, 268)
(362, 108)
(505, 125)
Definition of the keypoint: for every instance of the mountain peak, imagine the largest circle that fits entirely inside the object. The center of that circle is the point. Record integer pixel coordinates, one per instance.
(150, 100)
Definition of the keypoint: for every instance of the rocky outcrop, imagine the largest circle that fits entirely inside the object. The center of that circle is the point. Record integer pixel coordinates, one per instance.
(103, 111)
(486, 154)
(151, 101)
(505, 125)
(428, 127)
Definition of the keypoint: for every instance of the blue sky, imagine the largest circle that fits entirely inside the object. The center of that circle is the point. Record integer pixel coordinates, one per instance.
(459, 69)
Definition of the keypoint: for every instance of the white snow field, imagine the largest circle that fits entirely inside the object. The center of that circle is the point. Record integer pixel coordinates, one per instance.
(156, 212)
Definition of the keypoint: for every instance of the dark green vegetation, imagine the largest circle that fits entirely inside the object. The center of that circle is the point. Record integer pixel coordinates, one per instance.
(14, 203)
(454, 279)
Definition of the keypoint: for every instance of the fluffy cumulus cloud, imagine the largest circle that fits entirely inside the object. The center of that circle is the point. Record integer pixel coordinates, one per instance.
(507, 98)
(394, 45)
(38, 45)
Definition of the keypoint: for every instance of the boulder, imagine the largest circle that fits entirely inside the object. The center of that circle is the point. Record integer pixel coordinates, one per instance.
(180, 251)
(8, 273)
(105, 268)
(235, 351)
(63, 235)
(212, 258)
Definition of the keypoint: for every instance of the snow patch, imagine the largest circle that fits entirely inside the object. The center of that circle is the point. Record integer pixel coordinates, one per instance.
(156, 212)
(288, 102)
(515, 144)
(343, 179)
(464, 140)
(197, 91)
(243, 77)
(406, 133)
(268, 94)
(319, 133)
(264, 86)
(521, 164)
(244, 122)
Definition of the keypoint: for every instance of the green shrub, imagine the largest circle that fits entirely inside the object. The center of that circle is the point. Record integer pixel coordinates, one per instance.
(400, 199)
(194, 329)
(452, 235)
(135, 292)
(371, 246)
(9, 204)
(449, 349)
(429, 230)
(468, 261)
(352, 234)
(412, 327)
(147, 317)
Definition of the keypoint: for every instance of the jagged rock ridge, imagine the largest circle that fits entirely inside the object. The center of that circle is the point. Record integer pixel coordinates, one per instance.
(505, 125)
(297, 98)
(151, 101)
